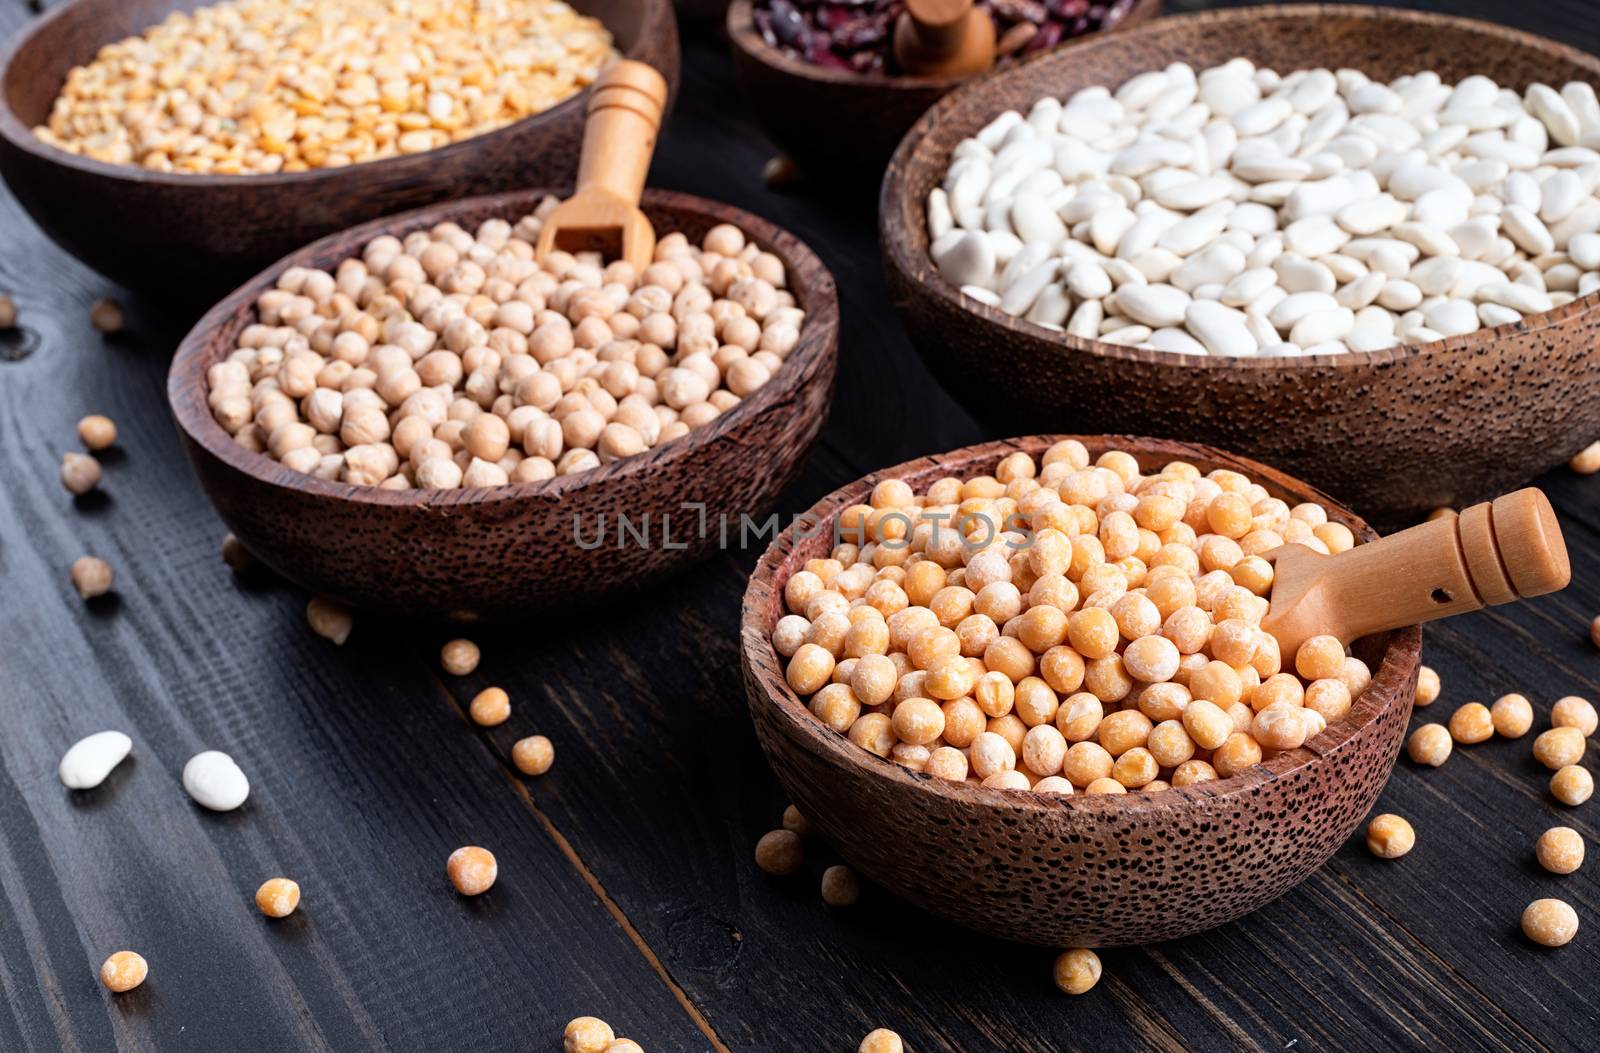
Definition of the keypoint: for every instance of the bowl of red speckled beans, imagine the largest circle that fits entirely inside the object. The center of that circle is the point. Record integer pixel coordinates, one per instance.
(825, 85)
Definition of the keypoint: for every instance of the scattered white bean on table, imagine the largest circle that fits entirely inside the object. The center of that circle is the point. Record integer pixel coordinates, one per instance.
(215, 781)
(1241, 212)
(90, 760)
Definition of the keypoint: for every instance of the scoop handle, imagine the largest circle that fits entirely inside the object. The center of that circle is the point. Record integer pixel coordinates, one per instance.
(1491, 553)
(943, 37)
(625, 108)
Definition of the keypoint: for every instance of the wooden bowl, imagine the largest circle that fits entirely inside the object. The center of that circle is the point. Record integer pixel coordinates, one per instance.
(1077, 871)
(480, 553)
(841, 126)
(1394, 433)
(196, 236)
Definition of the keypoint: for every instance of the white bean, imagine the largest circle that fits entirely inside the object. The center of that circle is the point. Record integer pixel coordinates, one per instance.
(215, 781)
(87, 763)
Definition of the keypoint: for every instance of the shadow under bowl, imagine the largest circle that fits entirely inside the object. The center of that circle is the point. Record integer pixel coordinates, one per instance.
(472, 554)
(192, 237)
(1393, 433)
(1081, 870)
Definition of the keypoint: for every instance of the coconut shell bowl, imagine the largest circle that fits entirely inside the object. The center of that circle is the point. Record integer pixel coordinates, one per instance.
(196, 236)
(1393, 433)
(839, 125)
(1106, 870)
(481, 553)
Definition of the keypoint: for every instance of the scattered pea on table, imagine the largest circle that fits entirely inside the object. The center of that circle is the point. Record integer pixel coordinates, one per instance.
(1076, 970)
(1512, 716)
(329, 620)
(472, 870)
(80, 473)
(490, 707)
(97, 432)
(124, 971)
(1429, 744)
(278, 897)
(1572, 785)
(779, 852)
(459, 657)
(1550, 922)
(1427, 687)
(91, 576)
(533, 755)
(587, 1034)
(1472, 723)
(1560, 850)
(1390, 836)
(881, 1040)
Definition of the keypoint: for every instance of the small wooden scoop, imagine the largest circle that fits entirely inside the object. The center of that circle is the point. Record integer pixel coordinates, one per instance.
(943, 38)
(1490, 554)
(603, 214)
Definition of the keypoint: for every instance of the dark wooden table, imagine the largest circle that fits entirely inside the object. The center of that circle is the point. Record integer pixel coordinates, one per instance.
(627, 888)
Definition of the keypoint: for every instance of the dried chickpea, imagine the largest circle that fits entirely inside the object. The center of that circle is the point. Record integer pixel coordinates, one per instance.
(459, 657)
(278, 897)
(1472, 723)
(236, 556)
(1076, 971)
(1559, 747)
(472, 870)
(91, 576)
(124, 971)
(1587, 460)
(795, 820)
(1430, 744)
(1193, 771)
(1427, 687)
(1237, 753)
(490, 707)
(1575, 712)
(97, 432)
(587, 1034)
(1572, 785)
(1389, 836)
(533, 755)
(1512, 715)
(1319, 658)
(779, 852)
(1207, 724)
(80, 473)
(106, 316)
(840, 887)
(329, 620)
(1560, 850)
(1550, 922)
(881, 1040)
(624, 1045)
(1279, 728)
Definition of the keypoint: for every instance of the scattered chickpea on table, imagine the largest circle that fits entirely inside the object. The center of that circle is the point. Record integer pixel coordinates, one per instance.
(97, 432)
(329, 620)
(1077, 970)
(459, 657)
(91, 576)
(472, 870)
(533, 755)
(1390, 836)
(124, 971)
(1550, 922)
(1560, 850)
(490, 707)
(779, 852)
(80, 473)
(278, 897)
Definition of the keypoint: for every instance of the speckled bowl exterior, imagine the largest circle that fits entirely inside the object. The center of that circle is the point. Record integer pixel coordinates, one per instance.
(208, 233)
(1395, 433)
(1077, 871)
(471, 554)
(841, 127)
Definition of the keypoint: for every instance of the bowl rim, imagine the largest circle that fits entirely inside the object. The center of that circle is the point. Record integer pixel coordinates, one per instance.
(20, 135)
(187, 384)
(742, 32)
(902, 222)
(1401, 654)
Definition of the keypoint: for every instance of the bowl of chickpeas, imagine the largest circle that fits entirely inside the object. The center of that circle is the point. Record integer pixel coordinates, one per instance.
(1024, 685)
(418, 416)
(216, 137)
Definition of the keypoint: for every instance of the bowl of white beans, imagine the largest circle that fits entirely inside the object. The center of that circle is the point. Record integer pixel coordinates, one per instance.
(1362, 245)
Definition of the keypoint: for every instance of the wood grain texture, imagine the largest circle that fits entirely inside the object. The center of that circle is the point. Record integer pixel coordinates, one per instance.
(211, 232)
(660, 789)
(1083, 870)
(840, 126)
(1487, 410)
(490, 552)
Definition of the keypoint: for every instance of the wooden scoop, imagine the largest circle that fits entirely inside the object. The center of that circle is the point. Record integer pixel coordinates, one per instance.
(943, 38)
(1490, 554)
(603, 214)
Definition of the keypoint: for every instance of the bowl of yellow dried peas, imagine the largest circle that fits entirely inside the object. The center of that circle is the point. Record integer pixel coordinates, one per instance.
(1024, 685)
(178, 146)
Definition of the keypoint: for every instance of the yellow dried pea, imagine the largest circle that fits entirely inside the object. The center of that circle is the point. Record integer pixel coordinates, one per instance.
(472, 870)
(840, 886)
(1427, 687)
(1047, 654)
(1076, 971)
(1472, 723)
(106, 316)
(123, 971)
(1575, 712)
(1560, 850)
(881, 1040)
(1587, 460)
(278, 897)
(587, 1034)
(1389, 836)
(259, 86)
(533, 755)
(1512, 715)
(329, 620)
(1429, 744)
(1572, 785)
(80, 473)
(490, 707)
(1550, 922)
(459, 657)
(1559, 747)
